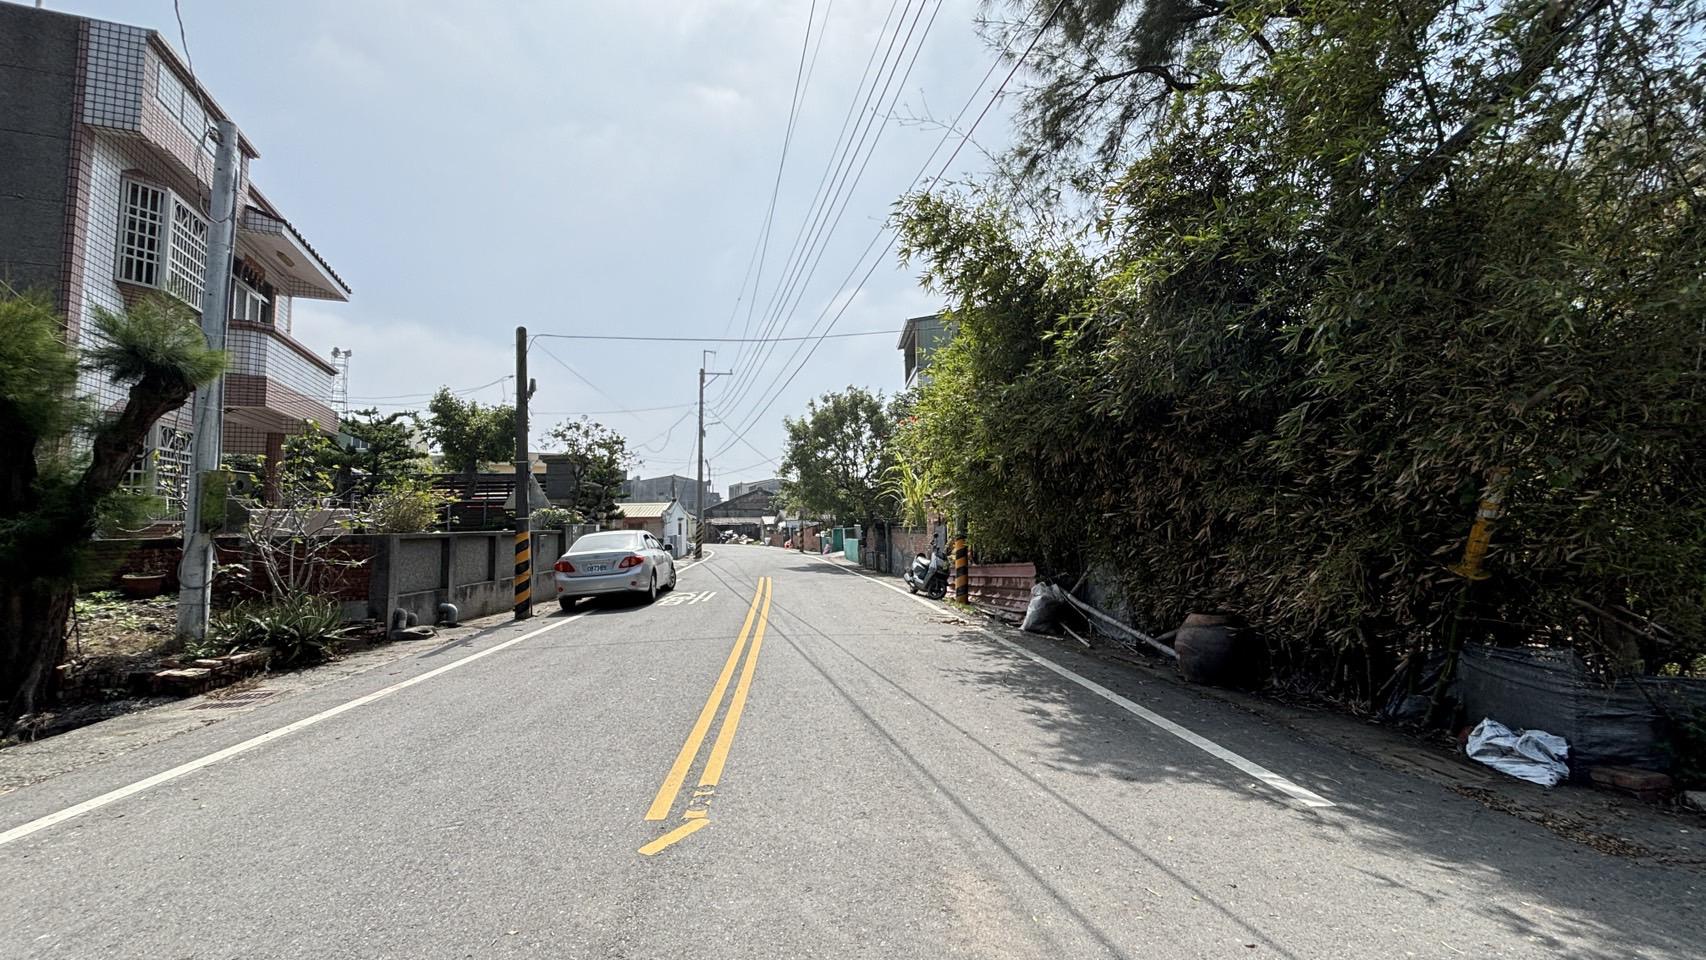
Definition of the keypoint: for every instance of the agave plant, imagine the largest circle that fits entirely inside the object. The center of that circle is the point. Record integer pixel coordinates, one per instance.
(300, 628)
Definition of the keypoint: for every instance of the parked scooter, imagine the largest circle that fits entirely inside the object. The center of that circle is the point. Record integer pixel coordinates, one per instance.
(929, 575)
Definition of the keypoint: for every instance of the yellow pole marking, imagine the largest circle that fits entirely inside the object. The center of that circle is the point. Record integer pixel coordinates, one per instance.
(731, 722)
(665, 799)
(664, 842)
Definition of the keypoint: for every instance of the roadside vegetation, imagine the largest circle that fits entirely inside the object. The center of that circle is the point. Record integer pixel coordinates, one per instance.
(62, 462)
(1270, 295)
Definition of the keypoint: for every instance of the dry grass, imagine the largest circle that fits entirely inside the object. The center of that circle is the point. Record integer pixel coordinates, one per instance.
(112, 629)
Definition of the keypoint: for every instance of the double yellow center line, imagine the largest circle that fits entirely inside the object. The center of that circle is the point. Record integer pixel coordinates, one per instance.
(757, 619)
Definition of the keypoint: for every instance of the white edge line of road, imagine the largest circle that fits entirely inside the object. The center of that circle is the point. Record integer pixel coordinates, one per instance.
(1306, 797)
(87, 806)
(694, 563)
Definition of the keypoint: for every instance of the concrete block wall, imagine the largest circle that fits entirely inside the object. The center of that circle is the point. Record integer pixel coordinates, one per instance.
(416, 572)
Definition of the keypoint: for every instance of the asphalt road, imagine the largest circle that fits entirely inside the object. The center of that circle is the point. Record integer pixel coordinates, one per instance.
(786, 759)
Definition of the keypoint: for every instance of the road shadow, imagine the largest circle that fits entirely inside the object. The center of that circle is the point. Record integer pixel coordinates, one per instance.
(1568, 898)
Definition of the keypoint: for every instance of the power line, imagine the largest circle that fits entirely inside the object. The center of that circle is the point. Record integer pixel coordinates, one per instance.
(782, 163)
(1017, 63)
(408, 396)
(804, 275)
(595, 413)
(751, 466)
(742, 438)
(698, 338)
(666, 434)
(828, 191)
(576, 373)
(840, 140)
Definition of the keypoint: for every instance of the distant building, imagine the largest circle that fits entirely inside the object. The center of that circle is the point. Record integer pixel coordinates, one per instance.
(738, 490)
(664, 489)
(667, 521)
(920, 338)
(752, 513)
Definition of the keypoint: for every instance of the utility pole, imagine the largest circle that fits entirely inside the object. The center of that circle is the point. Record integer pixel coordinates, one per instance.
(699, 494)
(962, 568)
(195, 570)
(523, 484)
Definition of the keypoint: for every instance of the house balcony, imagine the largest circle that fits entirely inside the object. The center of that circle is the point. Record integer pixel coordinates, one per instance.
(274, 384)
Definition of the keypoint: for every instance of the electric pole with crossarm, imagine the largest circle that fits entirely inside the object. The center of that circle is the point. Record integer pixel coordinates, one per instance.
(699, 531)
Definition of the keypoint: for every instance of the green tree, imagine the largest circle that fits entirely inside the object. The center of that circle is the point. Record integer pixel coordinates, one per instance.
(600, 459)
(386, 452)
(1353, 255)
(383, 454)
(54, 490)
(838, 458)
(469, 434)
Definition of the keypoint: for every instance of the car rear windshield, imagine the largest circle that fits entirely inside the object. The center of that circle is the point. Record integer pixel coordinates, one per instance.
(610, 540)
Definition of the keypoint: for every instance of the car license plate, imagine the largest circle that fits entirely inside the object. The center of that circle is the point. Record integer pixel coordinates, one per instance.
(598, 568)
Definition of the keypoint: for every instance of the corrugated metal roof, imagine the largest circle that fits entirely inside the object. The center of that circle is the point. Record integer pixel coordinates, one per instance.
(645, 510)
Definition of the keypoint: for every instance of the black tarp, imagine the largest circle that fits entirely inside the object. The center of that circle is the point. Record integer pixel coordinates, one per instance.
(1620, 722)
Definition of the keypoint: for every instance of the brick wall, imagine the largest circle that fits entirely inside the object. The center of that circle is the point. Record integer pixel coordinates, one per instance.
(110, 560)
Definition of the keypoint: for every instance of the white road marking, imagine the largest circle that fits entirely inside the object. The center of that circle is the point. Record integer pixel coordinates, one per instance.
(1306, 797)
(694, 563)
(677, 599)
(53, 819)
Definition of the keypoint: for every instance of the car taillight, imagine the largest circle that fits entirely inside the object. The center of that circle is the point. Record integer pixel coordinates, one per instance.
(564, 566)
(630, 561)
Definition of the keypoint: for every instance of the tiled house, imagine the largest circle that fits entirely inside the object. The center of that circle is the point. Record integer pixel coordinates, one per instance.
(104, 192)
(920, 338)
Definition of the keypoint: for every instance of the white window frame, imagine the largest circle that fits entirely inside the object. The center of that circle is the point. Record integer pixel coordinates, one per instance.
(257, 307)
(143, 233)
(182, 103)
(164, 252)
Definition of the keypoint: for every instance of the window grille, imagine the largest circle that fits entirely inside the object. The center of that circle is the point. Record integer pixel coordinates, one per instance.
(167, 253)
(138, 479)
(162, 470)
(172, 458)
(142, 223)
(189, 254)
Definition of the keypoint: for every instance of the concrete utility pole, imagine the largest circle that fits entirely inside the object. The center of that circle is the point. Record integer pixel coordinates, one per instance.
(523, 484)
(195, 570)
(699, 492)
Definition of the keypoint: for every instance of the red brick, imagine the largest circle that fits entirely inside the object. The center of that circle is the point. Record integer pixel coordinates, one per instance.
(184, 681)
(1646, 784)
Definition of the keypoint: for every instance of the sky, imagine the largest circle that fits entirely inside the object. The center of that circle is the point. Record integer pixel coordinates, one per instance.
(587, 168)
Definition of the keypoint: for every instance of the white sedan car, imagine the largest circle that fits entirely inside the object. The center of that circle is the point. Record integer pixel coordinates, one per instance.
(614, 561)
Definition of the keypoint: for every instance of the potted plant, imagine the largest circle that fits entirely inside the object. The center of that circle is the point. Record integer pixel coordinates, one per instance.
(1216, 648)
(148, 583)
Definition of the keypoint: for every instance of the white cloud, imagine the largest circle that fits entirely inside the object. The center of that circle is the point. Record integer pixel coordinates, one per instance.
(399, 363)
(722, 103)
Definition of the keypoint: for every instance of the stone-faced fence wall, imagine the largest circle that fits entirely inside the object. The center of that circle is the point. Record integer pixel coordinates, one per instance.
(412, 571)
